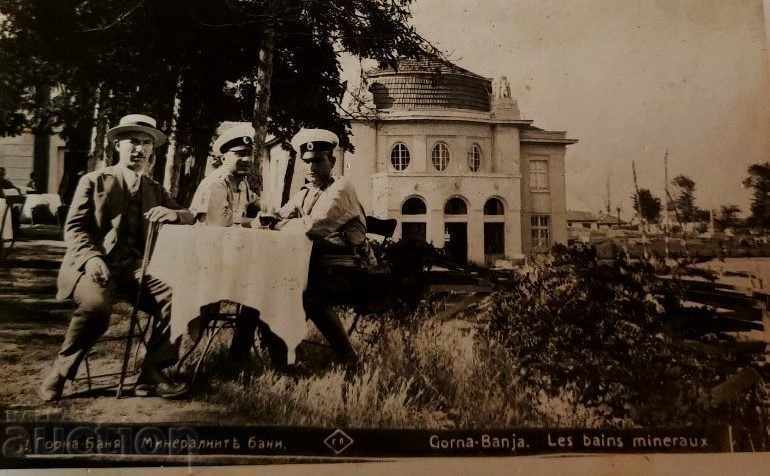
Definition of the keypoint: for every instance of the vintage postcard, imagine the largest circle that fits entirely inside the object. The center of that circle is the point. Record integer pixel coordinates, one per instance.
(294, 231)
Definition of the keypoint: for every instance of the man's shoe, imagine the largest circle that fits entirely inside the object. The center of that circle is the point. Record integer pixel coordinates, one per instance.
(144, 390)
(52, 387)
(162, 386)
(171, 390)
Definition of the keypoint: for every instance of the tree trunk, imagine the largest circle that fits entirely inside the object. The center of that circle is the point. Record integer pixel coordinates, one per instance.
(262, 108)
(94, 148)
(288, 178)
(173, 159)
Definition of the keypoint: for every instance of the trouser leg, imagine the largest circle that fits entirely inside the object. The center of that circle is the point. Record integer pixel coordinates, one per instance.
(328, 286)
(243, 334)
(276, 347)
(89, 321)
(156, 300)
(327, 322)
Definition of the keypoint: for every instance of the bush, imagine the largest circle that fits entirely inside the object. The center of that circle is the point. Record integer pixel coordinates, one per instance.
(597, 332)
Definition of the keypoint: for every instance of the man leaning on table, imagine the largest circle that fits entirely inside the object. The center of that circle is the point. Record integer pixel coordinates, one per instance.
(329, 213)
(221, 199)
(105, 234)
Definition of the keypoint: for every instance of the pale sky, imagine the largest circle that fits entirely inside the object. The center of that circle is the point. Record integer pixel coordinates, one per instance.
(629, 79)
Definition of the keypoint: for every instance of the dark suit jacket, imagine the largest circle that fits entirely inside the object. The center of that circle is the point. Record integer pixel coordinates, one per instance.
(94, 219)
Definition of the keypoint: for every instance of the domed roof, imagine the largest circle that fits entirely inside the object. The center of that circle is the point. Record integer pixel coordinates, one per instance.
(429, 83)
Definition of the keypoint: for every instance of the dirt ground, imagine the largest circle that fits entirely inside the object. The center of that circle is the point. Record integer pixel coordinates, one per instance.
(32, 326)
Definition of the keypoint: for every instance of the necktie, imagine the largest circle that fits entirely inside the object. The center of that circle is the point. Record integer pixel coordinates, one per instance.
(133, 187)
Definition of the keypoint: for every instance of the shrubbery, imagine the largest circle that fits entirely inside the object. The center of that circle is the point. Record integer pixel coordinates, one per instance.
(598, 332)
(572, 342)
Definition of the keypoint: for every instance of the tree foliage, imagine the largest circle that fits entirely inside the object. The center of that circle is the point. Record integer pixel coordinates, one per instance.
(647, 205)
(758, 181)
(684, 198)
(728, 216)
(129, 57)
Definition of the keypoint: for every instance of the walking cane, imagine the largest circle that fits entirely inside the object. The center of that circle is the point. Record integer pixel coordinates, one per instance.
(152, 231)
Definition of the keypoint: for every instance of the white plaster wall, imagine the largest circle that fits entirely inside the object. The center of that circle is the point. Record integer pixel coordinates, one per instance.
(16, 155)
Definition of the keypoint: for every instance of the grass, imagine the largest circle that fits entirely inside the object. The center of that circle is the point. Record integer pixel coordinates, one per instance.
(415, 374)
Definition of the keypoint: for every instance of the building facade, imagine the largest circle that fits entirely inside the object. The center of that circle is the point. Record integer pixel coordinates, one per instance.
(448, 155)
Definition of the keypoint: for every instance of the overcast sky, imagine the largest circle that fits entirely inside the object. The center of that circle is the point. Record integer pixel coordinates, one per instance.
(629, 79)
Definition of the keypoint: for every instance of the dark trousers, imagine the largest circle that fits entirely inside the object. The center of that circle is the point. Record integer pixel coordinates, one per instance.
(329, 286)
(326, 288)
(246, 323)
(91, 319)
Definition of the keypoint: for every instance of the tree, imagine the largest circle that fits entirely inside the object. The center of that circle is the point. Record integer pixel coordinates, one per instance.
(684, 198)
(759, 181)
(728, 216)
(647, 205)
(274, 63)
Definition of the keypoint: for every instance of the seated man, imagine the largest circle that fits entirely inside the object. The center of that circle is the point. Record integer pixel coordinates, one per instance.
(105, 233)
(6, 184)
(221, 200)
(330, 214)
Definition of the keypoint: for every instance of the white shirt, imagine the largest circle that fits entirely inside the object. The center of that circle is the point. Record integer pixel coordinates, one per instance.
(132, 179)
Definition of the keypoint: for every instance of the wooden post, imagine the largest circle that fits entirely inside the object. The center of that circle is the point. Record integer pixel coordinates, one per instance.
(665, 210)
(641, 215)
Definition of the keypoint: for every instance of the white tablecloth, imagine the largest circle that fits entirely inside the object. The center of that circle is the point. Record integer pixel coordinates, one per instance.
(263, 269)
(7, 225)
(51, 200)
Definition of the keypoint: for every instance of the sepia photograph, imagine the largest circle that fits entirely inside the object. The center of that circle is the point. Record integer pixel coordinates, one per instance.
(274, 232)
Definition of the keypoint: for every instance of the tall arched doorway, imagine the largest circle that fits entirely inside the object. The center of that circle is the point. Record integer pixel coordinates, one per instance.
(414, 219)
(494, 231)
(456, 229)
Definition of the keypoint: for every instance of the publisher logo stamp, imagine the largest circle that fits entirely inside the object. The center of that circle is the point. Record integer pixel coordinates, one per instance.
(338, 441)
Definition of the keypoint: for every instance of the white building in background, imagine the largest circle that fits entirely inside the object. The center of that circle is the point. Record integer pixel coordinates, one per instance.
(19, 157)
(449, 156)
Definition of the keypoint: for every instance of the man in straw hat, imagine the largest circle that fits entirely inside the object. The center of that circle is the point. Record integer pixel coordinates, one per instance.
(105, 233)
(328, 211)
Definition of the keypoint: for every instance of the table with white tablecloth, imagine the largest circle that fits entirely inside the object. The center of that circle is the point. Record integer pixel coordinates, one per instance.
(263, 269)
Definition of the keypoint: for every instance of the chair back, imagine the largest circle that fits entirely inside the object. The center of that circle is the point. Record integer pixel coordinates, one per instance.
(382, 227)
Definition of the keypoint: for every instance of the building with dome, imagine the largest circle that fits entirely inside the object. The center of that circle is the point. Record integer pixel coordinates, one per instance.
(446, 152)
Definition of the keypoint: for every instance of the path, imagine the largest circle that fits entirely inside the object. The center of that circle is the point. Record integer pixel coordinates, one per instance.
(32, 326)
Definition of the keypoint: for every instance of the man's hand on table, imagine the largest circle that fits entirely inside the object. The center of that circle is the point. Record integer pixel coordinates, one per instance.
(267, 220)
(162, 215)
(97, 271)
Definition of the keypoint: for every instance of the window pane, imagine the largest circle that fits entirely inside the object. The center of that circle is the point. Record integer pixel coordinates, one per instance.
(440, 156)
(413, 231)
(474, 158)
(494, 207)
(399, 156)
(455, 206)
(494, 238)
(414, 206)
(541, 236)
(538, 174)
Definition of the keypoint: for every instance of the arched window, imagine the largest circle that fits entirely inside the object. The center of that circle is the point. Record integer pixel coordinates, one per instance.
(440, 156)
(455, 206)
(399, 156)
(474, 158)
(414, 206)
(494, 230)
(414, 225)
(494, 207)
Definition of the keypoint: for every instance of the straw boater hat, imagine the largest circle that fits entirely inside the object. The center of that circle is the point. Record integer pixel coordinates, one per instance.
(139, 123)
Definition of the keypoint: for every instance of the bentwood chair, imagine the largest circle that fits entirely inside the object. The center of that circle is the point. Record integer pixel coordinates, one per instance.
(215, 318)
